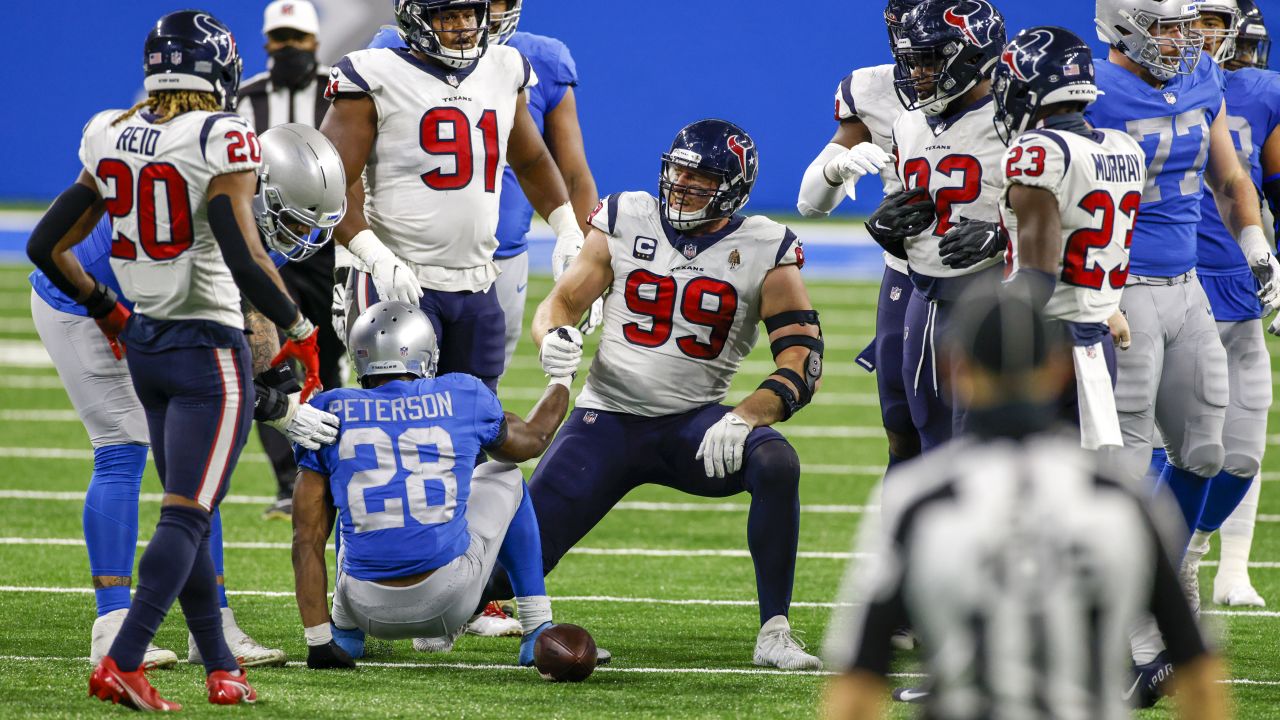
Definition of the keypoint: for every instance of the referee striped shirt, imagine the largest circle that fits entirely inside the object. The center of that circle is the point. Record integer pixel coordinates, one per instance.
(1021, 569)
(265, 106)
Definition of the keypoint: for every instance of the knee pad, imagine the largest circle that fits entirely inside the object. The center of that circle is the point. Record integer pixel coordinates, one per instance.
(192, 520)
(775, 461)
(1204, 459)
(1241, 464)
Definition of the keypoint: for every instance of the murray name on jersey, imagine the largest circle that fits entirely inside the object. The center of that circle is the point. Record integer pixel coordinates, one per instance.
(959, 160)
(155, 180)
(684, 311)
(1097, 180)
(434, 179)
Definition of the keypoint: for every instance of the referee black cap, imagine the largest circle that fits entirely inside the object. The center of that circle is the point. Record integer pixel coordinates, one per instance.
(1003, 333)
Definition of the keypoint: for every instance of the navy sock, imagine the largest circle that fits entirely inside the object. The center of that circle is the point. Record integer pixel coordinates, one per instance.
(772, 476)
(199, 599)
(521, 551)
(215, 550)
(1225, 493)
(163, 572)
(1190, 491)
(111, 519)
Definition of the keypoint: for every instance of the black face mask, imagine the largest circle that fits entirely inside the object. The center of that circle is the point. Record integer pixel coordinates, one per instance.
(1070, 122)
(292, 67)
(1015, 419)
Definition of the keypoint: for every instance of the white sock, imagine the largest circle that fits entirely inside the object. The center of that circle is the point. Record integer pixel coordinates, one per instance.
(1145, 641)
(1199, 544)
(533, 610)
(1237, 535)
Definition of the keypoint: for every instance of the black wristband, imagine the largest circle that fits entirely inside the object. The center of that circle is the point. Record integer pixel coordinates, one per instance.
(281, 377)
(268, 402)
(101, 301)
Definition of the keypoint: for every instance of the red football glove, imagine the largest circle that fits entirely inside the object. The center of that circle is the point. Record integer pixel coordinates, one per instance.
(111, 325)
(307, 352)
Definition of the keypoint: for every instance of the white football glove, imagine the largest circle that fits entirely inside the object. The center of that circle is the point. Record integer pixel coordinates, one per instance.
(723, 445)
(392, 278)
(307, 425)
(569, 239)
(561, 352)
(595, 316)
(861, 159)
(1267, 271)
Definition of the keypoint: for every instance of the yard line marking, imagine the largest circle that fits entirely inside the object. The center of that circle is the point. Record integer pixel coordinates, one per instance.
(586, 598)
(822, 398)
(629, 505)
(24, 354)
(19, 325)
(31, 382)
(40, 415)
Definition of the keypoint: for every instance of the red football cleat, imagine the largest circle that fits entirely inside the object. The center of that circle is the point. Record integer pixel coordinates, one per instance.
(228, 689)
(131, 689)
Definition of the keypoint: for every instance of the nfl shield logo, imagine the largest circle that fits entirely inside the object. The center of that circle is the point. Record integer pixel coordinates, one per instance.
(175, 57)
(404, 351)
(589, 418)
(1091, 351)
(895, 293)
(1171, 98)
(690, 250)
(735, 259)
(452, 79)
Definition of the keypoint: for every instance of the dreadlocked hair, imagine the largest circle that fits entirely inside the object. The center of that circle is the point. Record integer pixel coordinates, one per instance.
(168, 104)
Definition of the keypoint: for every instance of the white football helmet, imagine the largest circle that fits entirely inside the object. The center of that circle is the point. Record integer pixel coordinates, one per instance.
(302, 190)
(1224, 38)
(1141, 30)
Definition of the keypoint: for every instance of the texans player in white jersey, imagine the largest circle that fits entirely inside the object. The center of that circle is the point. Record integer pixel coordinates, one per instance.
(946, 223)
(692, 280)
(866, 109)
(1070, 199)
(177, 173)
(425, 132)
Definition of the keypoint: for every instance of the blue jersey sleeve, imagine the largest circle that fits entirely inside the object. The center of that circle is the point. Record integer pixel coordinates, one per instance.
(388, 37)
(489, 416)
(324, 460)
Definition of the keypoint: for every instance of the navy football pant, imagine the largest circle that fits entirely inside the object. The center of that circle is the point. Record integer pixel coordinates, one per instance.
(470, 326)
(928, 393)
(598, 457)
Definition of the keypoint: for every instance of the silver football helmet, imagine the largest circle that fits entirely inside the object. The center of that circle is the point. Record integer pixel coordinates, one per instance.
(503, 24)
(393, 338)
(1141, 29)
(302, 190)
(1225, 37)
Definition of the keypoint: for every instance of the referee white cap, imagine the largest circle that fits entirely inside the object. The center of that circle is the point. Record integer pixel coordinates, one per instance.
(297, 15)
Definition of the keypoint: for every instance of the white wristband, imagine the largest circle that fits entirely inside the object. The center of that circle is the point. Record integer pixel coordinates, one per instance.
(1253, 243)
(318, 635)
(562, 221)
(566, 381)
(300, 330)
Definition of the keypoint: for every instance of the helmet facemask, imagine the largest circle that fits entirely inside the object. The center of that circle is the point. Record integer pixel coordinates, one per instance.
(1143, 38)
(1225, 38)
(295, 233)
(502, 25)
(721, 201)
(419, 34)
(945, 73)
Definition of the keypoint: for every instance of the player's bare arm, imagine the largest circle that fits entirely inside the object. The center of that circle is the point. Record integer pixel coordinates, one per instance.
(1039, 228)
(313, 516)
(527, 438)
(351, 125)
(563, 136)
(784, 299)
(850, 155)
(855, 695)
(580, 285)
(534, 166)
(264, 342)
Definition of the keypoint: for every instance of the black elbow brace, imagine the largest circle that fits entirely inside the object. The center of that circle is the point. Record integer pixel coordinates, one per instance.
(57, 221)
(272, 389)
(807, 385)
(256, 285)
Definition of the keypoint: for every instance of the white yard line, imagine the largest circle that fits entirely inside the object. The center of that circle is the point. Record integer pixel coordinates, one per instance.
(31, 382)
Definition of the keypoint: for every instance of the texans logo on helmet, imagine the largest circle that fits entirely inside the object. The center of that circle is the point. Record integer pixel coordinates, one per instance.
(739, 145)
(1024, 61)
(216, 35)
(962, 19)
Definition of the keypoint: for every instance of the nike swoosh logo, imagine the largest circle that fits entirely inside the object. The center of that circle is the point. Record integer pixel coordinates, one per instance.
(910, 696)
(881, 227)
(520, 288)
(1129, 693)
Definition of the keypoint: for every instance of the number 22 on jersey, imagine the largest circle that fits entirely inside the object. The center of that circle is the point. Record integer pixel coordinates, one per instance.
(965, 170)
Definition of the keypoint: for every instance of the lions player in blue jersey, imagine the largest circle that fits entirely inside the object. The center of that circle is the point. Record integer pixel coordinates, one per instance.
(1160, 89)
(100, 388)
(1253, 115)
(422, 526)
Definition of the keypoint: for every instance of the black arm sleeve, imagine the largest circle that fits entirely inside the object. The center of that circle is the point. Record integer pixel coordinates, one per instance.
(253, 282)
(1271, 189)
(1172, 613)
(56, 223)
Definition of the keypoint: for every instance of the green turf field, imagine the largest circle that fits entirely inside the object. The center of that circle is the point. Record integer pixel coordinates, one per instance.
(664, 582)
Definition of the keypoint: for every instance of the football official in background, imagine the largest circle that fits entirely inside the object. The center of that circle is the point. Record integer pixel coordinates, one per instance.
(1020, 566)
(292, 90)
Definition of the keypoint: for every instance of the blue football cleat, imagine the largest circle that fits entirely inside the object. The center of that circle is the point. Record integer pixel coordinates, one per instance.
(527, 642)
(1148, 680)
(350, 640)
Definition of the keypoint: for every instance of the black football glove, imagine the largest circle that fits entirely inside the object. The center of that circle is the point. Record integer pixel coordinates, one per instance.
(329, 657)
(901, 216)
(969, 242)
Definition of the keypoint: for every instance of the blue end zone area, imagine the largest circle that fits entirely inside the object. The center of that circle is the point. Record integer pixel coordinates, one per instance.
(832, 250)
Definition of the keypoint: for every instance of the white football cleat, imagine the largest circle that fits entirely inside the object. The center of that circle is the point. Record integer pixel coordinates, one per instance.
(247, 651)
(775, 647)
(105, 629)
(1238, 592)
(493, 622)
(1189, 574)
(437, 644)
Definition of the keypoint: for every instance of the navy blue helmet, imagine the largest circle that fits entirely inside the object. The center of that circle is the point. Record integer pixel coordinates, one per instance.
(1041, 66)
(192, 50)
(946, 48)
(1253, 43)
(716, 148)
(894, 12)
(414, 18)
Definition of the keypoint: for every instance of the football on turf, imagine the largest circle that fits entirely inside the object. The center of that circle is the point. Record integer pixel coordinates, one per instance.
(565, 653)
